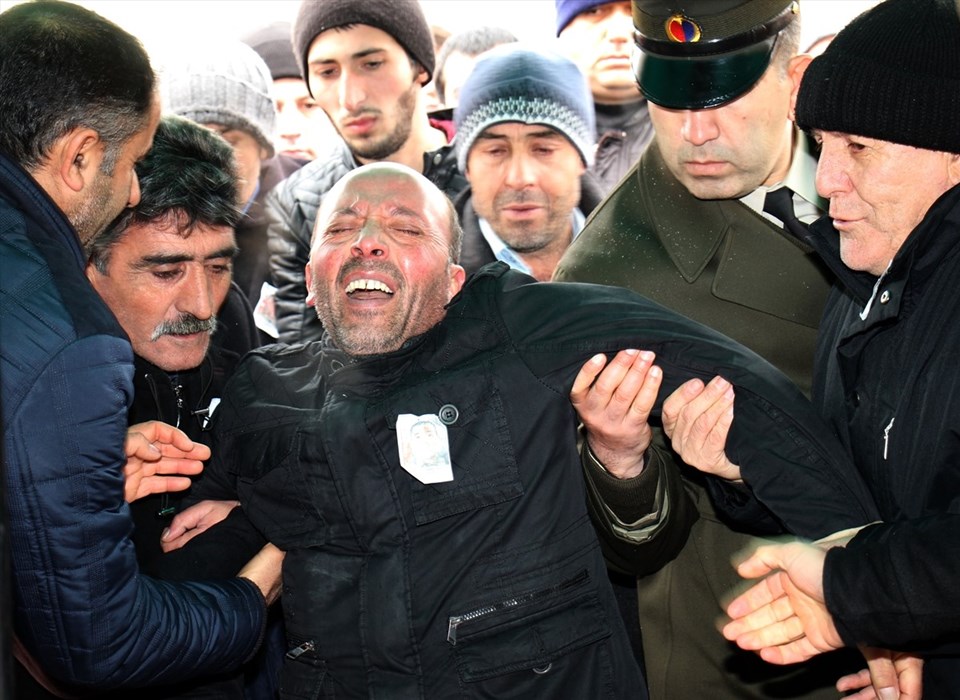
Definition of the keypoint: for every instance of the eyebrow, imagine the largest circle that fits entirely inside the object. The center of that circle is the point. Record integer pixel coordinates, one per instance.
(354, 56)
(397, 210)
(546, 132)
(172, 259)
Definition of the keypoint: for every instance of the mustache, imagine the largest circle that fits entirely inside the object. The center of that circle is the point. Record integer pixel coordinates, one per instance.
(364, 112)
(712, 152)
(506, 197)
(367, 266)
(185, 324)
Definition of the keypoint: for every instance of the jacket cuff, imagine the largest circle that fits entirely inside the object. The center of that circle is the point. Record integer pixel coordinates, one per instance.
(628, 500)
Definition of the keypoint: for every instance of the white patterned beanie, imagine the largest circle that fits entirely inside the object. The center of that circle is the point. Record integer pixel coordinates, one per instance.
(514, 83)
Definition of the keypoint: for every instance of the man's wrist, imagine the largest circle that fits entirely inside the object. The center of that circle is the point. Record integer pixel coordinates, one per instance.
(631, 472)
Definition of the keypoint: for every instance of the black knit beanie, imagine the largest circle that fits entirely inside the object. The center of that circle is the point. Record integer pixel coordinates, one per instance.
(401, 19)
(273, 44)
(892, 74)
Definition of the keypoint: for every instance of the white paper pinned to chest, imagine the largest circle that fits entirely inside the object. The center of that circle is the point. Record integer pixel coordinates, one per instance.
(424, 448)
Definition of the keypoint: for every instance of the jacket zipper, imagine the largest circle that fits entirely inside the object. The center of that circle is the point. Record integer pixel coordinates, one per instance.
(300, 650)
(165, 507)
(455, 621)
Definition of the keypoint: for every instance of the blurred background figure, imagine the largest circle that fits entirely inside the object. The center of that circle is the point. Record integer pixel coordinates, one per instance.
(303, 130)
(226, 87)
(458, 55)
(598, 36)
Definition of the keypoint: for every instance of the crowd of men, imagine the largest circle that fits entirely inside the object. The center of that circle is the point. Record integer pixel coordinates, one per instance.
(310, 389)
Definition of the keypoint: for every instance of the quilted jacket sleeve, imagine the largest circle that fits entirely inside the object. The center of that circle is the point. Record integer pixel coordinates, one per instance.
(291, 210)
(82, 608)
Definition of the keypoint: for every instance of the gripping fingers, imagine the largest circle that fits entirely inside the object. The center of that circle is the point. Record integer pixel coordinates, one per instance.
(586, 376)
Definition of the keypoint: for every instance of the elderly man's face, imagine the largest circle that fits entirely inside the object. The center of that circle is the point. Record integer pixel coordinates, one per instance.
(879, 191)
(380, 270)
(525, 181)
(166, 288)
(599, 41)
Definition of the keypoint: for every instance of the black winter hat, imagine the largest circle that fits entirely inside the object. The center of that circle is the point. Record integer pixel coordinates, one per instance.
(892, 74)
(275, 47)
(401, 19)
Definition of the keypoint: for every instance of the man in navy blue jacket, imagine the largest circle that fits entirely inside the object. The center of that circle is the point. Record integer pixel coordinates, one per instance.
(77, 111)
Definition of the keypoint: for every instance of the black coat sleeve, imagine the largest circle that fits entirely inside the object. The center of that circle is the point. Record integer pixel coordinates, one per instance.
(895, 585)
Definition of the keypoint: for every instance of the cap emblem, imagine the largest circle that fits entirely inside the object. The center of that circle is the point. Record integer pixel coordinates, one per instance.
(682, 30)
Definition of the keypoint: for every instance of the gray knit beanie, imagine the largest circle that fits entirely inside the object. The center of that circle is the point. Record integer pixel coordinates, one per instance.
(892, 74)
(514, 83)
(223, 83)
(402, 19)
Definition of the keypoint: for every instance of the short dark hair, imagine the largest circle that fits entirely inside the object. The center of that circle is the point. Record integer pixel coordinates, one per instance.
(471, 42)
(188, 177)
(456, 232)
(62, 67)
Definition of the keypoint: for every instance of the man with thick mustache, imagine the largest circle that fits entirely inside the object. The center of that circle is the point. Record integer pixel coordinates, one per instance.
(525, 140)
(164, 269)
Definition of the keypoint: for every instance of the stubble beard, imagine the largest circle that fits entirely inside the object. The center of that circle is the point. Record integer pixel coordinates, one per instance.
(529, 236)
(379, 332)
(93, 215)
(396, 139)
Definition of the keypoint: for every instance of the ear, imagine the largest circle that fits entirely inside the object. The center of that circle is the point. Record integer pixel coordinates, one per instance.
(795, 70)
(422, 77)
(77, 157)
(457, 277)
(953, 167)
(308, 274)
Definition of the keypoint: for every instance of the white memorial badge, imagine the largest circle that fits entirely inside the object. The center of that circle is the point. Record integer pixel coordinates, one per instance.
(424, 448)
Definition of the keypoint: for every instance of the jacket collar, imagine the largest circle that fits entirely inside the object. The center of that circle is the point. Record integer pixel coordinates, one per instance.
(675, 223)
(916, 261)
(17, 184)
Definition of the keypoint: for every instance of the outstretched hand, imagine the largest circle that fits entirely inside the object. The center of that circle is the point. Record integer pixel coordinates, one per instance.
(190, 522)
(155, 451)
(784, 616)
(613, 401)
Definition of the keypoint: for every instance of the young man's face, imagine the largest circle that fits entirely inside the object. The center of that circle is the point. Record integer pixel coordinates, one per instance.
(380, 270)
(525, 181)
(363, 79)
(599, 41)
(165, 288)
(303, 130)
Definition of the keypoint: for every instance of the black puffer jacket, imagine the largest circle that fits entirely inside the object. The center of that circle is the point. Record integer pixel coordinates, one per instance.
(495, 580)
(292, 210)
